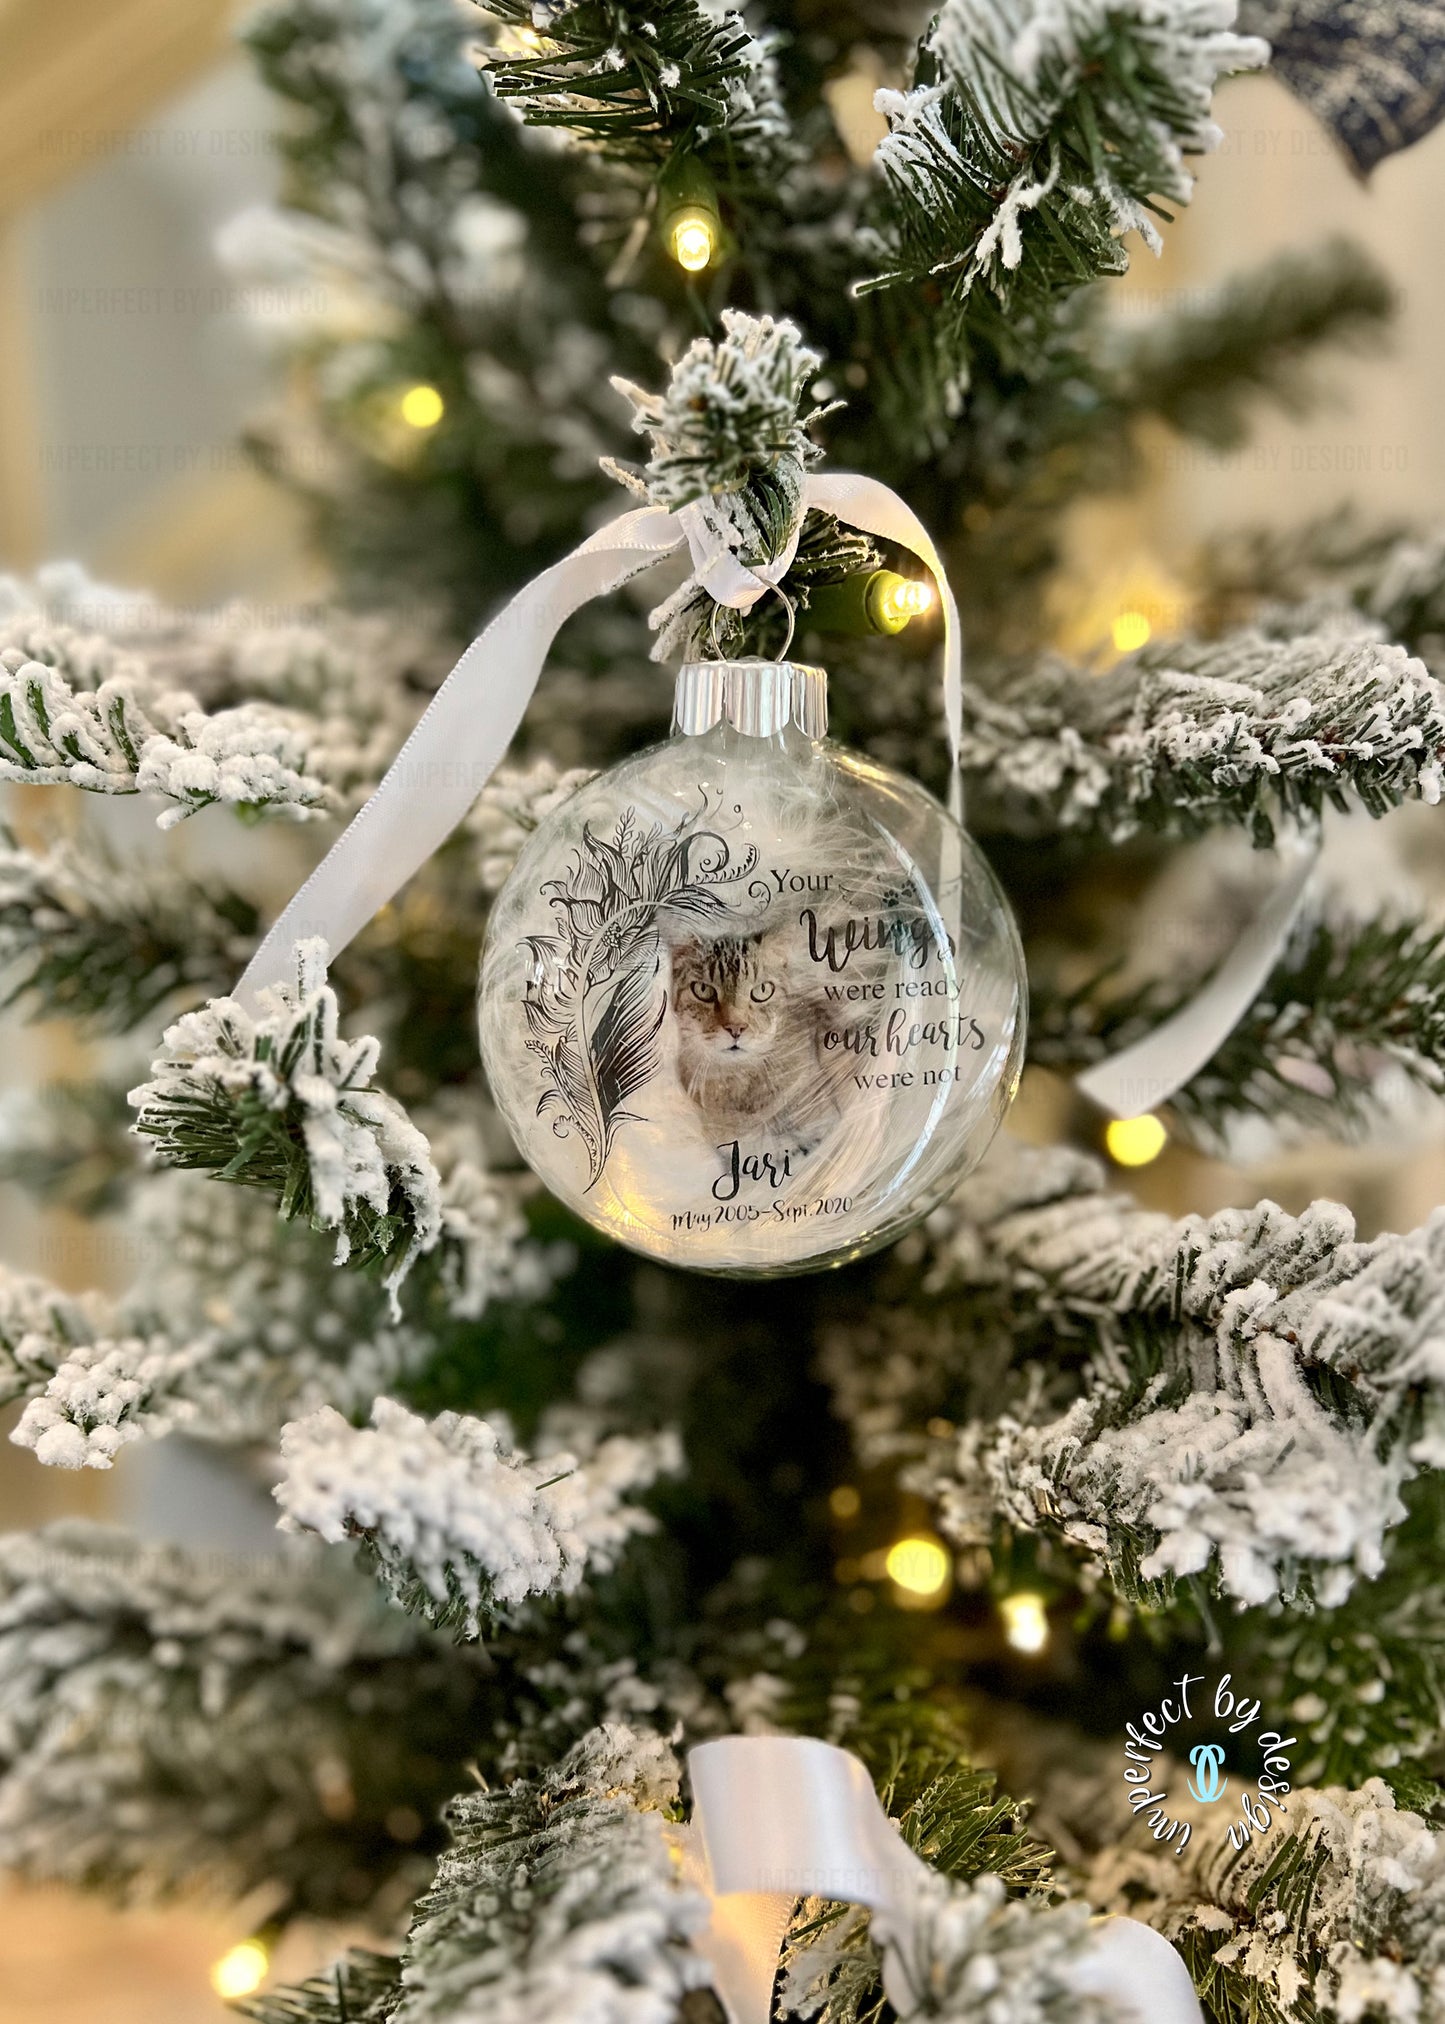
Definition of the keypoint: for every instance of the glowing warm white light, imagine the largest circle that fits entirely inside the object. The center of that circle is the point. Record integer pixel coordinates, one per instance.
(422, 407)
(241, 1971)
(918, 1566)
(1024, 1623)
(693, 240)
(1131, 630)
(1134, 1141)
(844, 1501)
(907, 598)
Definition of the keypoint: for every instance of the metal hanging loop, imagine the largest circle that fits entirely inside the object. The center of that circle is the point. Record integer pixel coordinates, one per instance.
(782, 654)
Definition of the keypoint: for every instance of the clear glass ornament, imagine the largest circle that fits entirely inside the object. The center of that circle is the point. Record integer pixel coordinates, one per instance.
(750, 1002)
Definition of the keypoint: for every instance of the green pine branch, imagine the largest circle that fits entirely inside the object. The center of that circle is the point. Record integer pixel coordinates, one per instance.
(642, 83)
(1364, 1684)
(362, 1988)
(1015, 117)
(69, 1145)
(1201, 366)
(85, 937)
(1350, 1004)
(1028, 147)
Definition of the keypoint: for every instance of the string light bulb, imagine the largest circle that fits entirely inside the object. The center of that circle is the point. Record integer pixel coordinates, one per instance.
(240, 1971)
(872, 601)
(920, 1567)
(688, 218)
(1135, 1141)
(692, 240)
(1025, 1622)
(422, 407)
(894, 601)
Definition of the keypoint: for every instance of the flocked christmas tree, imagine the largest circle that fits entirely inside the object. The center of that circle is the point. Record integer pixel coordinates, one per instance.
(561, 1513)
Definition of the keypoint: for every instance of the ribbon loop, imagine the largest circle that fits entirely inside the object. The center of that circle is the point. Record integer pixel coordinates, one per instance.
(1147, 1073)
(716, 567)
(776, 1818)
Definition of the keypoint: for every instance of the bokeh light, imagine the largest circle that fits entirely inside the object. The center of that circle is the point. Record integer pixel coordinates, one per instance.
(1134, 1141)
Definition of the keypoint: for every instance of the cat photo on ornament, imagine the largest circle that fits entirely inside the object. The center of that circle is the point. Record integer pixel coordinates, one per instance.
(749, 1034)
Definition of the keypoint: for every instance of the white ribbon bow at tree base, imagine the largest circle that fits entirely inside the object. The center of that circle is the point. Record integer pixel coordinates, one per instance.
(778, 1818)
(463, 735)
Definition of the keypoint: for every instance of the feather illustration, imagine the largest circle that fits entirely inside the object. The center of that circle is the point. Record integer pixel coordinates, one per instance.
(622, 1050)
(592, 1004)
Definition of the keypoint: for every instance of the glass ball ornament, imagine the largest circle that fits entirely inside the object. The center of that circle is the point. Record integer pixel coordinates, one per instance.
(751, 1003)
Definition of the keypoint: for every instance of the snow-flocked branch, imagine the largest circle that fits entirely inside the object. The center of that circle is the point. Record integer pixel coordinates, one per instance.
(1249, 729)
(1364, 1683)
(295, 721)
(191, 1722)
(287, 1336)
(1249, 1392)
(278, 1100)
(643, 84)
(1334, 1915)
(1337, 1915)
(731, 413)
(731, 429)
(458, 1523)
(89, 1382)
(960, 1942)
(560, 1896)
(122, 736)
(1038, 136)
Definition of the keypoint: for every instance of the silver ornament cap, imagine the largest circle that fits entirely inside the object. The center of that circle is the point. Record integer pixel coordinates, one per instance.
(759, 698)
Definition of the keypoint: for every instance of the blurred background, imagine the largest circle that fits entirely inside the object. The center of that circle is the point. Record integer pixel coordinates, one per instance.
(129, 365)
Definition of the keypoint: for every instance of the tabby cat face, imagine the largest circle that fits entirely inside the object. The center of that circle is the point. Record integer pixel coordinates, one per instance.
(729, 997)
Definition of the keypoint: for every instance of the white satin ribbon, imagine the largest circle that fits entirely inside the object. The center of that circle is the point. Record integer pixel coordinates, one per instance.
(1149, 1072)
(717, 570)
(878, 510)
(777, 1818)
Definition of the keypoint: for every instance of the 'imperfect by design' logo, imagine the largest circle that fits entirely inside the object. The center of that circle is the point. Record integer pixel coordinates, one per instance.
(1258, 1758)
